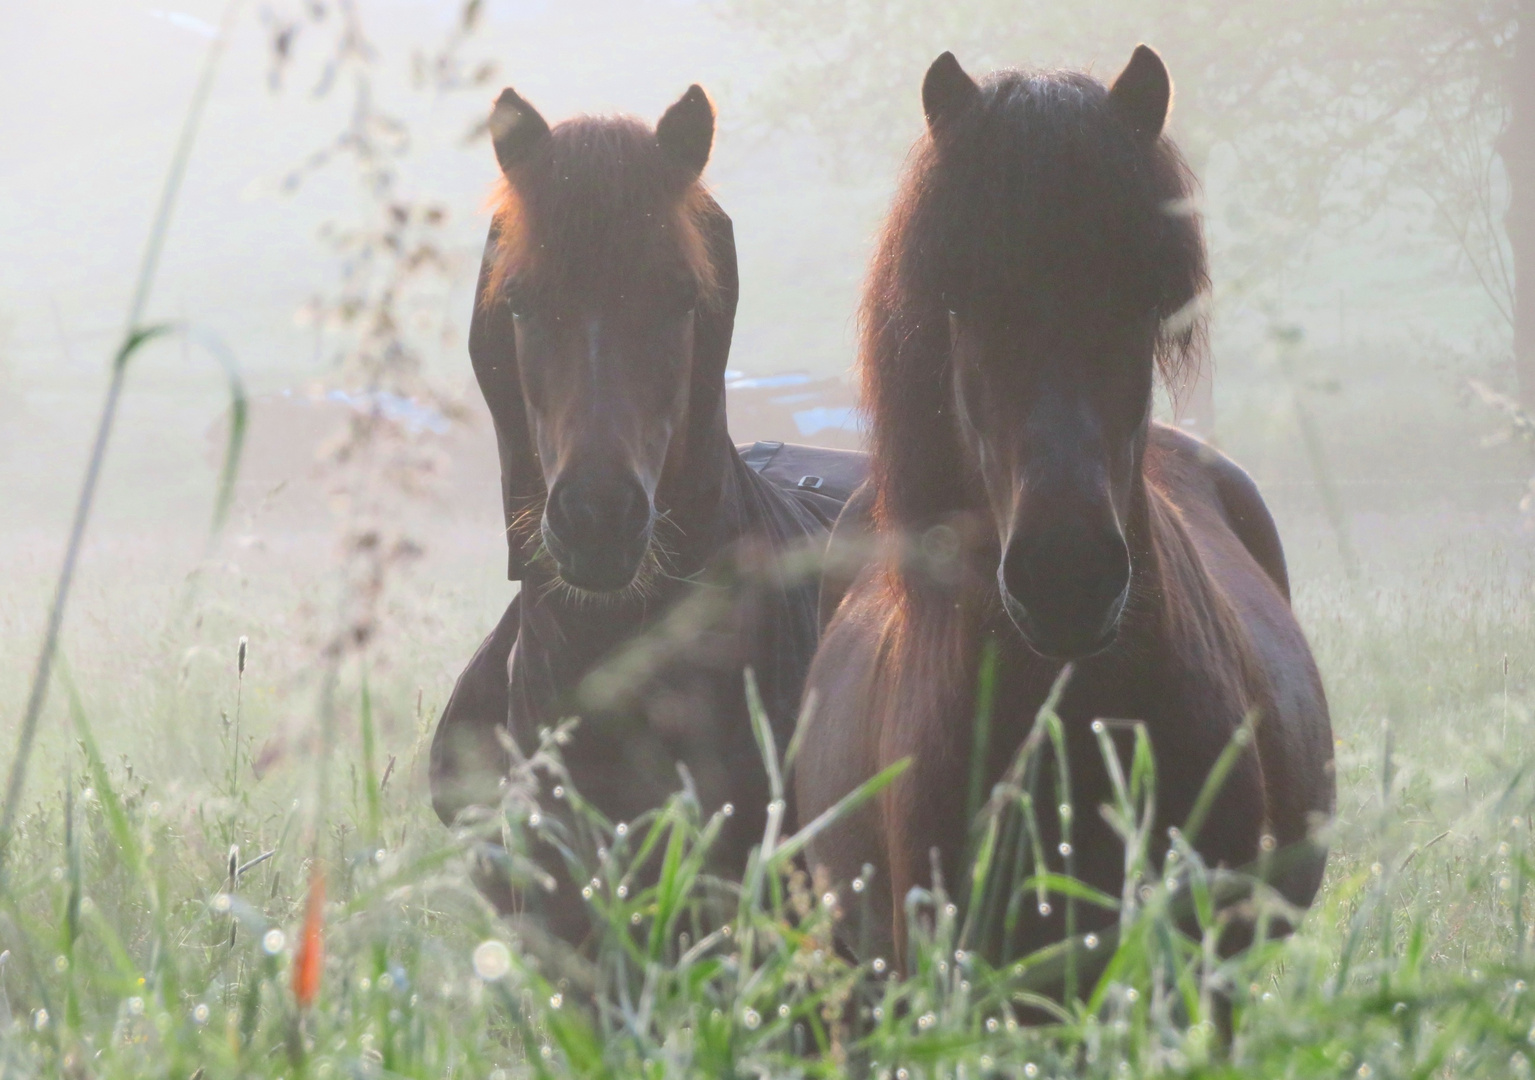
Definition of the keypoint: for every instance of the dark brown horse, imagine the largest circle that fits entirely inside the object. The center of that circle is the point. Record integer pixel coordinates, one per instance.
(1040, 262)
(599, 340)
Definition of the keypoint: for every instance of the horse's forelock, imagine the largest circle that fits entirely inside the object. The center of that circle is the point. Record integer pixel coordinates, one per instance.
(1041, 163)
(599, 202)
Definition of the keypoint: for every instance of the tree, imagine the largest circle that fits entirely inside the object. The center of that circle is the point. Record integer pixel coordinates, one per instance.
(1330, 110)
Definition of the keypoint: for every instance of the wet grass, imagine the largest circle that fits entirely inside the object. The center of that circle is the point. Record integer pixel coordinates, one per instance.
(162, 913)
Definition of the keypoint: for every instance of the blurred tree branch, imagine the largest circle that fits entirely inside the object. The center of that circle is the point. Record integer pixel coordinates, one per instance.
(394, 270)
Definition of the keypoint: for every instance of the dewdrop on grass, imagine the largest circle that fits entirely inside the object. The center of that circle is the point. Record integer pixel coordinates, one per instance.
(492, 960)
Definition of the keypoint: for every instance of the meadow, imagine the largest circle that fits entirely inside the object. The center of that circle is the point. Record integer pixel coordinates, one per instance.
(224, 862)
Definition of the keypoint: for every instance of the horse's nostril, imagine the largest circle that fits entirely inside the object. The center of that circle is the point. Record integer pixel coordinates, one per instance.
(1065, 572)
(1017, 577)
(1106, 576)
(598, 511)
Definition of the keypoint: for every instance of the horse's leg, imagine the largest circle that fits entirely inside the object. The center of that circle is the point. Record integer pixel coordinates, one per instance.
(468, 760)
(838, 755)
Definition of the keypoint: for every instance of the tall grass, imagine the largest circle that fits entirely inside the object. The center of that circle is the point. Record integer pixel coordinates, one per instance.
(122, 961)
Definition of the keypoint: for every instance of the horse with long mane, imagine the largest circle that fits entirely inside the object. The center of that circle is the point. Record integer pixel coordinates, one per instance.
(600, 333)
(1041, 261)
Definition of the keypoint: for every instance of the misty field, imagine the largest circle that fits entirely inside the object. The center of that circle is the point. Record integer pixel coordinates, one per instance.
(163, 910)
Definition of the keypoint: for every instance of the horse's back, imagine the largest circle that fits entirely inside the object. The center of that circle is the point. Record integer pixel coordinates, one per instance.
(818, 478)
(1239, 547)
(1204, 472)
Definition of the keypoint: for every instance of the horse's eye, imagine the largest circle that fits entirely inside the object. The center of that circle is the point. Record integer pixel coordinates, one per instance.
(521, 298)
(681, 298)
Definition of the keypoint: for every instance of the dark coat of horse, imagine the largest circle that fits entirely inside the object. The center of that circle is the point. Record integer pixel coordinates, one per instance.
(599, 339)
(1041, 261)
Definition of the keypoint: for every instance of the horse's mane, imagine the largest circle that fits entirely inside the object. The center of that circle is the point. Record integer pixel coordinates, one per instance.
(597, 207)
(1041, 196)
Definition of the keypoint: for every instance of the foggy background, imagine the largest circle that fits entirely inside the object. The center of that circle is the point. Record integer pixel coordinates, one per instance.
(1353, 205)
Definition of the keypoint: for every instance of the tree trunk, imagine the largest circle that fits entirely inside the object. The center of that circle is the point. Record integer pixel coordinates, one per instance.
(1517, 148)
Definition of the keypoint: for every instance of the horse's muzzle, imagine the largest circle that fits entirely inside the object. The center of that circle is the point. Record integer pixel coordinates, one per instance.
(598, 531)
(1065, 594)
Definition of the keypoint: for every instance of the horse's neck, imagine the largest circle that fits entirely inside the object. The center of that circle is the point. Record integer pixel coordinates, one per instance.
(1176, 607)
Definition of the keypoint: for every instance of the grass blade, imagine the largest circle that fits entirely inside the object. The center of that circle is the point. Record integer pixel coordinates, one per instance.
(369, 770)
(762, 729)
(871, 787)
(1235, 746)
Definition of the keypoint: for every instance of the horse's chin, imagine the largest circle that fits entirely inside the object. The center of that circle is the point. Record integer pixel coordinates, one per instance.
(602, 574)
(582, 579)
(1059, 643)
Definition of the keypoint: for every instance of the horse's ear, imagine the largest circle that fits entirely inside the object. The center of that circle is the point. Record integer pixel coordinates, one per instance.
(516, 128)
(1143, 92)
(946, 91)
(686, 130)
(493, 352)
(714, 325)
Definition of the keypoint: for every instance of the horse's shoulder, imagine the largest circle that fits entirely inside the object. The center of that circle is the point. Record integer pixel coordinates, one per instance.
(1191, 469)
